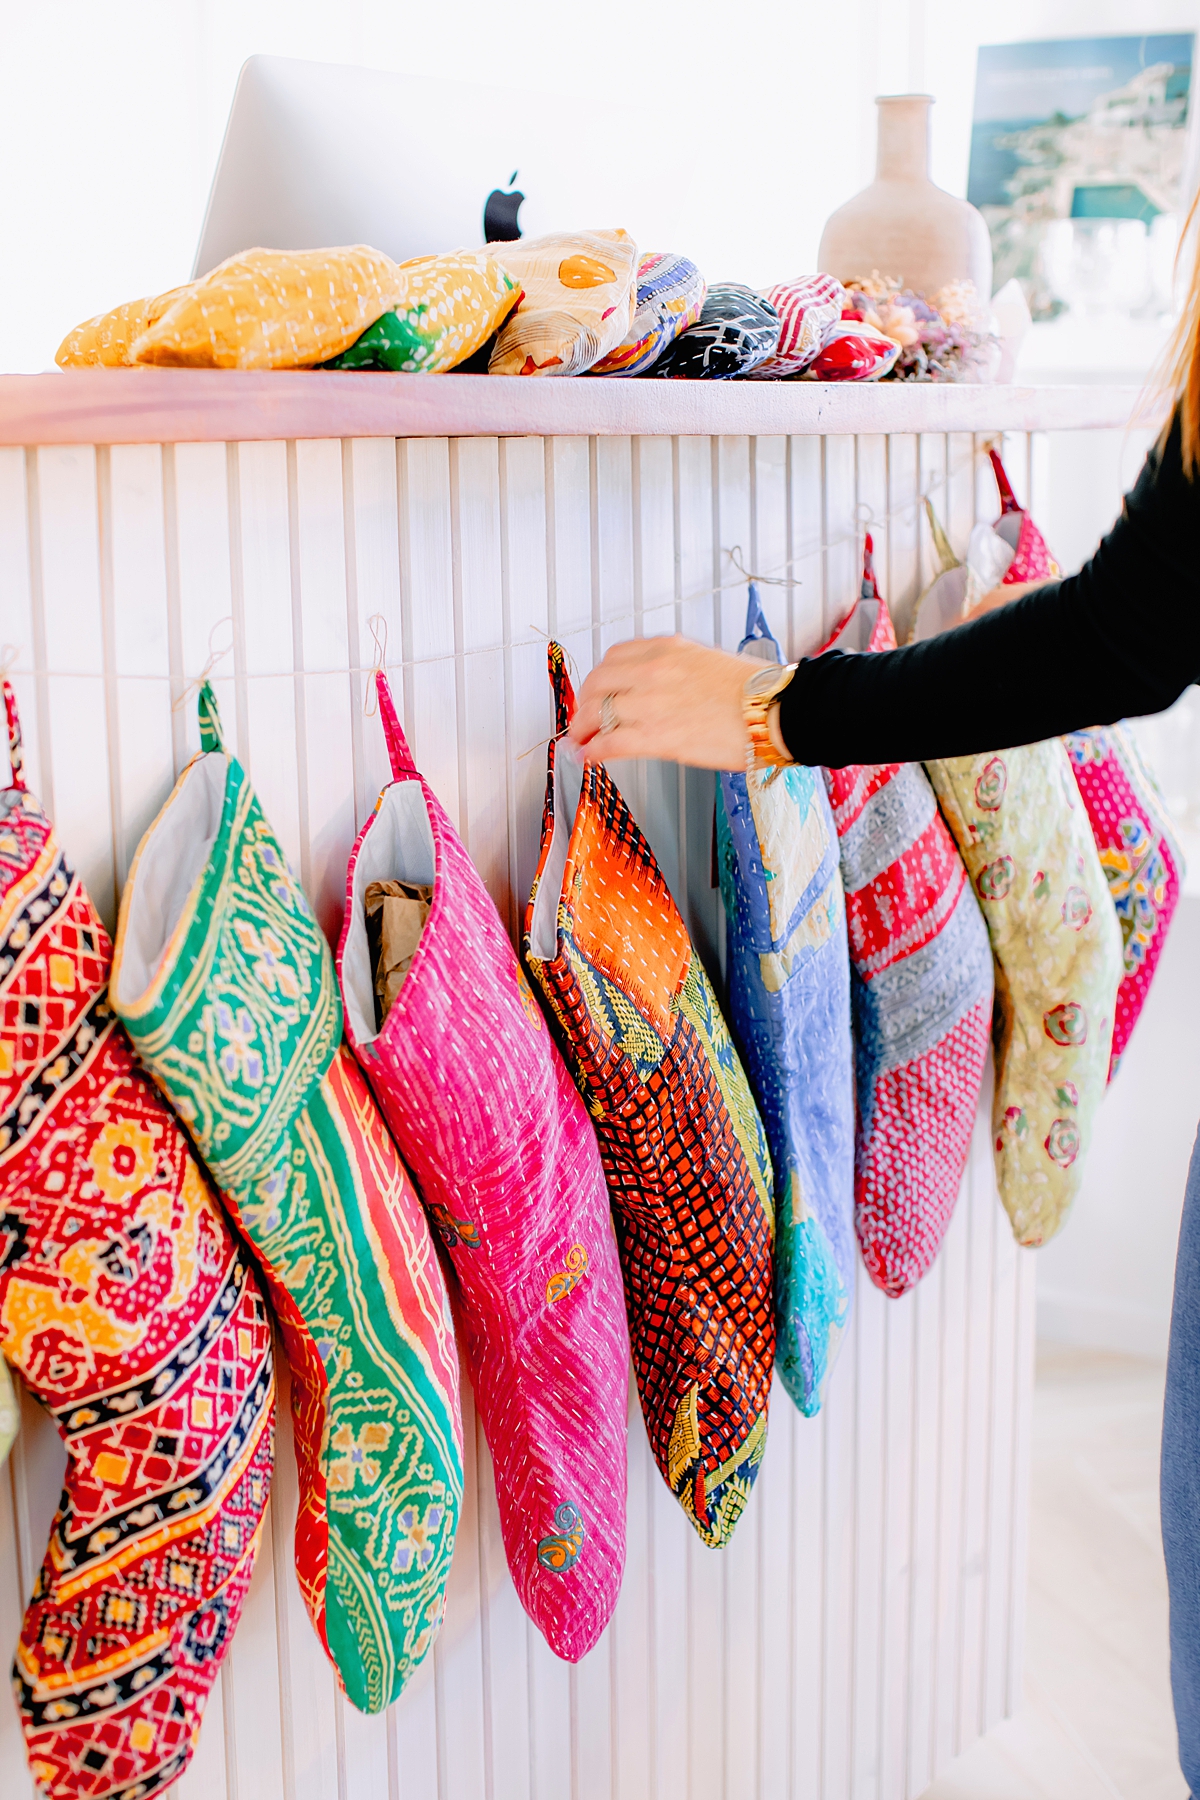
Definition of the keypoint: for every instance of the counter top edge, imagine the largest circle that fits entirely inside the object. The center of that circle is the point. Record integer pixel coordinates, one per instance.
(138, 406)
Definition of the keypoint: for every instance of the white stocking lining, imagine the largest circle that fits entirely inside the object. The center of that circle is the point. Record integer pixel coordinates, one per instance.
(855, 634)
(398, 847)
(568, 785)
(172, 861)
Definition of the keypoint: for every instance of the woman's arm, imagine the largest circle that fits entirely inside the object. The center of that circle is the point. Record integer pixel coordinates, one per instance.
(1120, 638)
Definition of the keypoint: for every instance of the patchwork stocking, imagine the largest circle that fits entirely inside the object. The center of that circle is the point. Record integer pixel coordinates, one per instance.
(789, 1005)
(227, 988)
(131, 1312)
(922, 988)
(683, 1148)
(505, 1158)
(1139, 852)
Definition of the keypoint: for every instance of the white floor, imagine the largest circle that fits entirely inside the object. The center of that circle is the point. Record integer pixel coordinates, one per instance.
(1097, 1722)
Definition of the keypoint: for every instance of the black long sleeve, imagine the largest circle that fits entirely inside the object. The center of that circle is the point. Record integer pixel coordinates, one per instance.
(1119, 639)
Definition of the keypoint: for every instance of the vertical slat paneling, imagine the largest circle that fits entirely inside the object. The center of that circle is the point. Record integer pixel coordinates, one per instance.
(134, 523)
(264, 626)
(322, 649)
(919, 1653)
(841, 530)
(976, 1429)
(873, 504)
(201, 591)
(906, 524)
(69, 553)
(427, 586)
(483, 752)
(17, 636)
(806, 603)
(866, 1621)
(899, 1422)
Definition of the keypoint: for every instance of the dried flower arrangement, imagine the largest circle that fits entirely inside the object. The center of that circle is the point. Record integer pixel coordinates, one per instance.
(947, 337)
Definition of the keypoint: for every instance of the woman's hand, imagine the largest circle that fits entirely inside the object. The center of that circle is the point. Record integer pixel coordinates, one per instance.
(668, 698)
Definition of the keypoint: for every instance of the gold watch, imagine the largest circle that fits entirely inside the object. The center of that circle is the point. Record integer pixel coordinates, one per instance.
(760, 694)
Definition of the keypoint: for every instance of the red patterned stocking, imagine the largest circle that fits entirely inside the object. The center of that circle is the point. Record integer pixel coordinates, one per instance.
(129, 1309)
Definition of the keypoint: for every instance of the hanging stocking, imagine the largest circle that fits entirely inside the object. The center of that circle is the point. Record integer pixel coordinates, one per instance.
(683, 1148)
(131, 1312)
(505, 1158)
(789, 1005)
(227, 988)
(922, 992)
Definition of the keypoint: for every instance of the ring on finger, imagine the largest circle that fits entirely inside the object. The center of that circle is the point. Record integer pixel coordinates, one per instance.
(608, 714)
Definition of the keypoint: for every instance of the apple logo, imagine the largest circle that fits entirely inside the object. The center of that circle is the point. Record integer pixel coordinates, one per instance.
(500, 224)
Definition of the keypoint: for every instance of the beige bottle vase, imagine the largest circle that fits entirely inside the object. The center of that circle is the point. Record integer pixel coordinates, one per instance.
(903, 225)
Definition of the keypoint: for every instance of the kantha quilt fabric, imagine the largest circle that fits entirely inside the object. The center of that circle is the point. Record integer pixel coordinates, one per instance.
(578, 304)
(683, 1148)
(1025, 839)
(227, 987)
(1139, 854)
(1138, 850)
(736, 331)
(922, 991)
(1027, 843)
(447, 306)
(789, 1005)
(808, 311)
(271, 309)
(505, 1158)
(670, 294)
(133, 1315)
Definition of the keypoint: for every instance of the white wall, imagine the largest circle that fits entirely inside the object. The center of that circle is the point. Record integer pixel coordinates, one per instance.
(111, 118)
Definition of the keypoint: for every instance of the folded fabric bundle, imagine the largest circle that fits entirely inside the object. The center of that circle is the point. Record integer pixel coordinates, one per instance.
(446, 307)
(133, 1315)
(789, 1005)
(853, 351)
(505, 1157)
(808, 311)
(684, 1152)
(579, 294)
(736, 331)
(272, 309)
(108, 339)
(227, 987)
(670, 295)
(922, 991)
(1025, 838)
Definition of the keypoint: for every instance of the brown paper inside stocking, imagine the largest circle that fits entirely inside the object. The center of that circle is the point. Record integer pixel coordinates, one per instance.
(396, 914)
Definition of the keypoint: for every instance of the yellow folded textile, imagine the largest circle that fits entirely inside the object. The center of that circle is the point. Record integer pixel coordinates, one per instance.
(580, 290)
(108, 339)
(448, 306)
(273, 309)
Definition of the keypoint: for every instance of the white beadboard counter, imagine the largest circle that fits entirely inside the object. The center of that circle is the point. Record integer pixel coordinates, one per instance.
(288, 531)
(135, 406)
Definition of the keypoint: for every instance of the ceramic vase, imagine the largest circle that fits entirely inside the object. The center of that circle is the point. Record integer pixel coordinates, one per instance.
(904, 225)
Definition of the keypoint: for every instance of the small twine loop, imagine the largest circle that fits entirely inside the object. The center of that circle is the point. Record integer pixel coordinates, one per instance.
(215, 656)
(378, 626)
(785, 581)
(9, 654)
